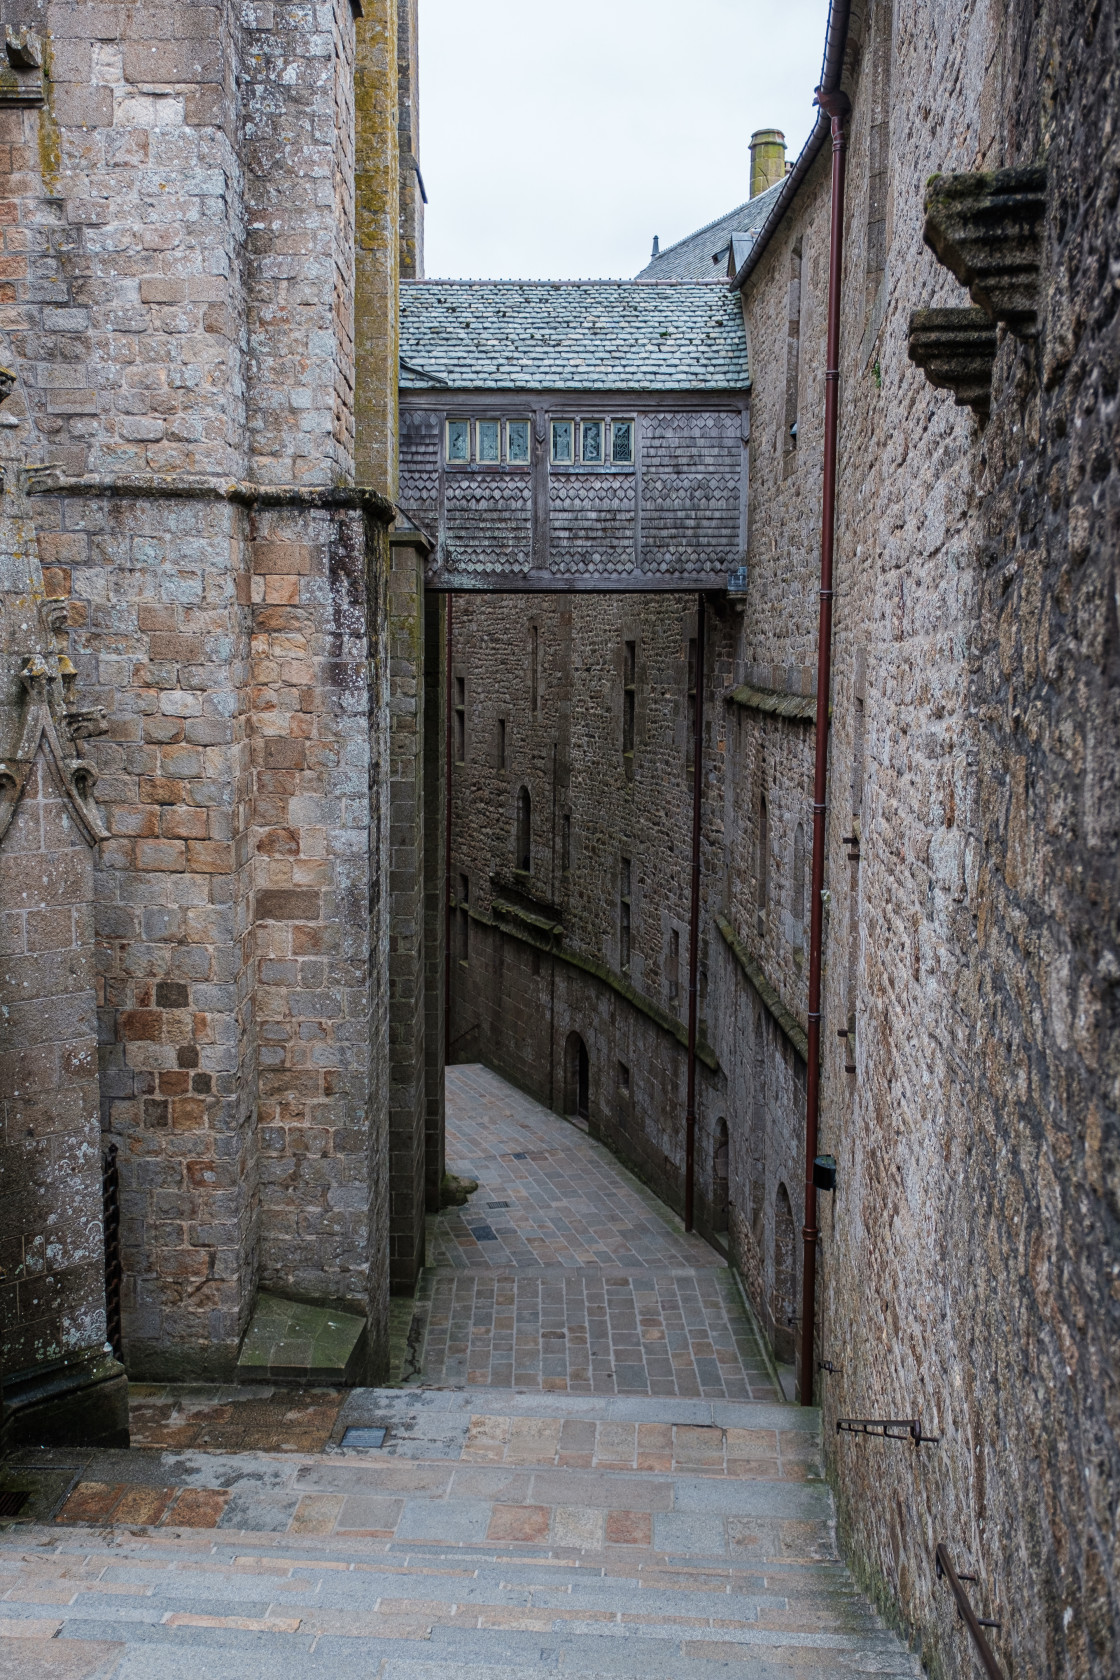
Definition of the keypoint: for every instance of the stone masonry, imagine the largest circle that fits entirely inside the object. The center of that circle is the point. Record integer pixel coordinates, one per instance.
(188, 186)
(966, 1260)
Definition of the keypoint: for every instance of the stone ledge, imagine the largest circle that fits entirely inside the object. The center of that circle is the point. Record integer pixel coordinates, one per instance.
(781, 1013)
(987, 230)
(290, 1341)
(799, 708)
(242, 493)
(955, 349)
(660, 1017)
(81, 1401)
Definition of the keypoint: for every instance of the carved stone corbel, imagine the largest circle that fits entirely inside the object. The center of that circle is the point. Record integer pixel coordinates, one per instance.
(987, 230)
(955, 349)
(45, 723)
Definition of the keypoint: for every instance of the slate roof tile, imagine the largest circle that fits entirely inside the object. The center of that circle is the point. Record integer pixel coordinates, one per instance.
(585, 335)
(702, 255)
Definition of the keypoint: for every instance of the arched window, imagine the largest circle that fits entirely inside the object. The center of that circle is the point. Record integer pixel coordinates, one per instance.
(523, 842)
(782, 1295)
(577, 1078)
(719, 1179)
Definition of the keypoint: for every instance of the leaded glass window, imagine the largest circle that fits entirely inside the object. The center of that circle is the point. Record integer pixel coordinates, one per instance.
(517, 441)
(562, 441)
(458, 440)
(622, 443)
(488, 432)
(592, 441)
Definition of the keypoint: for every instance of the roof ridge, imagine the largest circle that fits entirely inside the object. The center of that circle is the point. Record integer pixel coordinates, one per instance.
(696, 233)
(434, 280)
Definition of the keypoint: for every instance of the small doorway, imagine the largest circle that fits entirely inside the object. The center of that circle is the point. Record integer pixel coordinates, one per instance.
(577, 1078)
(784, 1277)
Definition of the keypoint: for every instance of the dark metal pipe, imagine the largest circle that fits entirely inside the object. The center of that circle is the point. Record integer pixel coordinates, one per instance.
(694, 922)
(836, 106)
(449, 717)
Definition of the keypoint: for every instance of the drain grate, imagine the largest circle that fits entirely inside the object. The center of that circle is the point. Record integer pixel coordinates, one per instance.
(497, 1204)
(523, 1156)
(11, 1504)
(363, 1437)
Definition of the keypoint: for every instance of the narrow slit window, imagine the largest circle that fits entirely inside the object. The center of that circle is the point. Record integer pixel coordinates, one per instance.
(488, 439)
(629, 703)
(592, 442)
(673, 966)
(622, 443)
(517, 442)
(524, 836)
(464, 919)
(460, 720)
(624, 916)
(501, 743)
(793, 349)
(534, 668)
(690, 744)
(566, 843)
(563, 441)
(458, 440)
(762, 880)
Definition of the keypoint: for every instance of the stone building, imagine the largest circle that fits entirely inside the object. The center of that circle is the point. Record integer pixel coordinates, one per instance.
(207, 209)
(965, 1259)
(237, 648)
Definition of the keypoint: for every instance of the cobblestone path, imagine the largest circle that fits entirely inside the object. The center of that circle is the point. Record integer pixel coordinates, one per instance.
(605, 1485)
(564, 1274)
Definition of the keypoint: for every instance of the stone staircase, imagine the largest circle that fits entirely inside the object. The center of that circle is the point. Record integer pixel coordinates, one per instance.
(493, 1535)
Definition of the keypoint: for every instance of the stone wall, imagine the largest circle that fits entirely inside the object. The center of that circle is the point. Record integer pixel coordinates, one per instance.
(546, 954)
(966, 1259)
(184, 188)
(966, 1263)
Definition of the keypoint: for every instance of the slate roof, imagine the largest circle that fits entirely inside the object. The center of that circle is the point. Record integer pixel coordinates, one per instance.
(575, 335)
(692, 258)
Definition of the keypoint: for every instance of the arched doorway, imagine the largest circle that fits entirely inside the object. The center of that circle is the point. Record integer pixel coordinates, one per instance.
(577, 1078)
(782, 1304)
(719, 1180)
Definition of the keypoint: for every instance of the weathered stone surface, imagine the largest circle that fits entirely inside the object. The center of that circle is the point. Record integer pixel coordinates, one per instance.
(987, 230)
(955, 349)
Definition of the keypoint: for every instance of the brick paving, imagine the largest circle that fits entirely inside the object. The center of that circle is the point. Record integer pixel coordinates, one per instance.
(563, 1274)
(232, 1419)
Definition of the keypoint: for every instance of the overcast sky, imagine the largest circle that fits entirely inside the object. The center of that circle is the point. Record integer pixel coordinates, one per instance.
(558, 136)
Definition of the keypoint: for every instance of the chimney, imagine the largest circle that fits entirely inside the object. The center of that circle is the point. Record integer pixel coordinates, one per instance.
(768, 159)
(656, 252)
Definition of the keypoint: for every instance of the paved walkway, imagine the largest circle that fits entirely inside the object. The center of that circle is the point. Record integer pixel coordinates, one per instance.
(493, 1536)
(606, 1486)
(564, 1274)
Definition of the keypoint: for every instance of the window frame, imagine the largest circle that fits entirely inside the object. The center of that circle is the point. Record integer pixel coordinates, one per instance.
(455, 460)
(631, 428)
(586, 426)
(487, 420)
(568, 460)
(527, 461)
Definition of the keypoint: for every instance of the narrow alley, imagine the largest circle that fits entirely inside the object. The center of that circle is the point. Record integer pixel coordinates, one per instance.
(592, 1472)
(564, 1274)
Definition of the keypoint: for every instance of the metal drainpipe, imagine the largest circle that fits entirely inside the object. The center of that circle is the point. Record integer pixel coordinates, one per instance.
(836, 105)
(448, 753)
(694, 923)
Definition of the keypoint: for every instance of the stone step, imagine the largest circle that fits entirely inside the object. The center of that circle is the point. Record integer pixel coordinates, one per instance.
(467, 1546)
(452, 1588)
